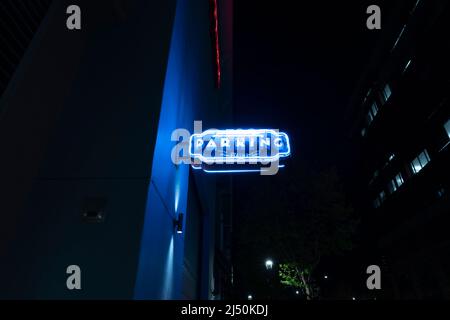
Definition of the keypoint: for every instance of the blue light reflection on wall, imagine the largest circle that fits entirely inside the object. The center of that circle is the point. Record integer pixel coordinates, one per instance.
(188, 94)
(160, 264)
(169, 270)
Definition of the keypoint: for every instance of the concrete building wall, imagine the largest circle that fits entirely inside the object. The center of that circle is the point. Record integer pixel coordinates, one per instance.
(77, 129)
(86, 175)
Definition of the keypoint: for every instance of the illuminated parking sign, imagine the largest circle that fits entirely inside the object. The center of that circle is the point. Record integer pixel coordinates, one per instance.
(238, 150)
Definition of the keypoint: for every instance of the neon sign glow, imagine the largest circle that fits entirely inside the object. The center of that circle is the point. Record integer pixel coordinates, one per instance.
(246, 150)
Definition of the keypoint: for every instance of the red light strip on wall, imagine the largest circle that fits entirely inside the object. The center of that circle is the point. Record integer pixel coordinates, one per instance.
(216, 41)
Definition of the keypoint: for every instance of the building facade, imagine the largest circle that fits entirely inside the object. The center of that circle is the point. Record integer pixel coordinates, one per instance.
(400, 128)
(86, 129)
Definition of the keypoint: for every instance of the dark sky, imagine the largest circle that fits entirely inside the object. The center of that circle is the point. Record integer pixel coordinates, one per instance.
(295, 69)
(296, 66)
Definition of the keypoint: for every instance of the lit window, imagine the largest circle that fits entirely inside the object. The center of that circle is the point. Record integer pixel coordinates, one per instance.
(399, 180)
(379, 200)
(363, 132)
(407, 66)
(369, 118)
(368, 94)
(395, 183)
(386, 93)
(373, 111)
(399, 37)
(420, 162)
(415, 6)
(382, 196)
(392, 187)
(447, 128)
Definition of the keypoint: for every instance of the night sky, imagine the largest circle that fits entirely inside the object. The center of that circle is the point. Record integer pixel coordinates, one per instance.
(295, 69)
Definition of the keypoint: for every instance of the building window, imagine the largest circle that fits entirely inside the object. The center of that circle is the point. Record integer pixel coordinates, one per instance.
(386, 93)
(363, 132)
(373, 111)
(377, 203)
(398, 38)
(376, 174)
(382, 196)
(420, 162)
(447, 128)
(369, 118)
(392, 187)
(367, 95)
(399, 180)
(415, 7)
(395, 183)
(379, 200)
(407, 66)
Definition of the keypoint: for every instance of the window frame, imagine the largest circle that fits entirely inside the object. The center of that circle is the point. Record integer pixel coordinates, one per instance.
(386, 93)
(447, 128)
(424, 155)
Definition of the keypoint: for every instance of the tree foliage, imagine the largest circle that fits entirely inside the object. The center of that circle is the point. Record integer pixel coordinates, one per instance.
(289, 276)
(308, 220)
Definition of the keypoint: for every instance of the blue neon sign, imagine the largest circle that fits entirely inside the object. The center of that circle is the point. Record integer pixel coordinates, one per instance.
(239, 150)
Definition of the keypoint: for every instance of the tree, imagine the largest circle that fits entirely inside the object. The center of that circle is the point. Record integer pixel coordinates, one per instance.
(307, 219)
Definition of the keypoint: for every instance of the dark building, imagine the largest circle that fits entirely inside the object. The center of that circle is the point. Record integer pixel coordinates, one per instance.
(401, 131)
(19, 21)
(86, 175)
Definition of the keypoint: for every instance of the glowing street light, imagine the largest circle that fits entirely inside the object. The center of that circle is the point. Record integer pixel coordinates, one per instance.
(269, 264)
(250, 297)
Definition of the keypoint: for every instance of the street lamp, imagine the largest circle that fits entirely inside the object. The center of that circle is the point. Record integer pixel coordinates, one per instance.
(269, 264)
(250, 297)
(269, 275)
